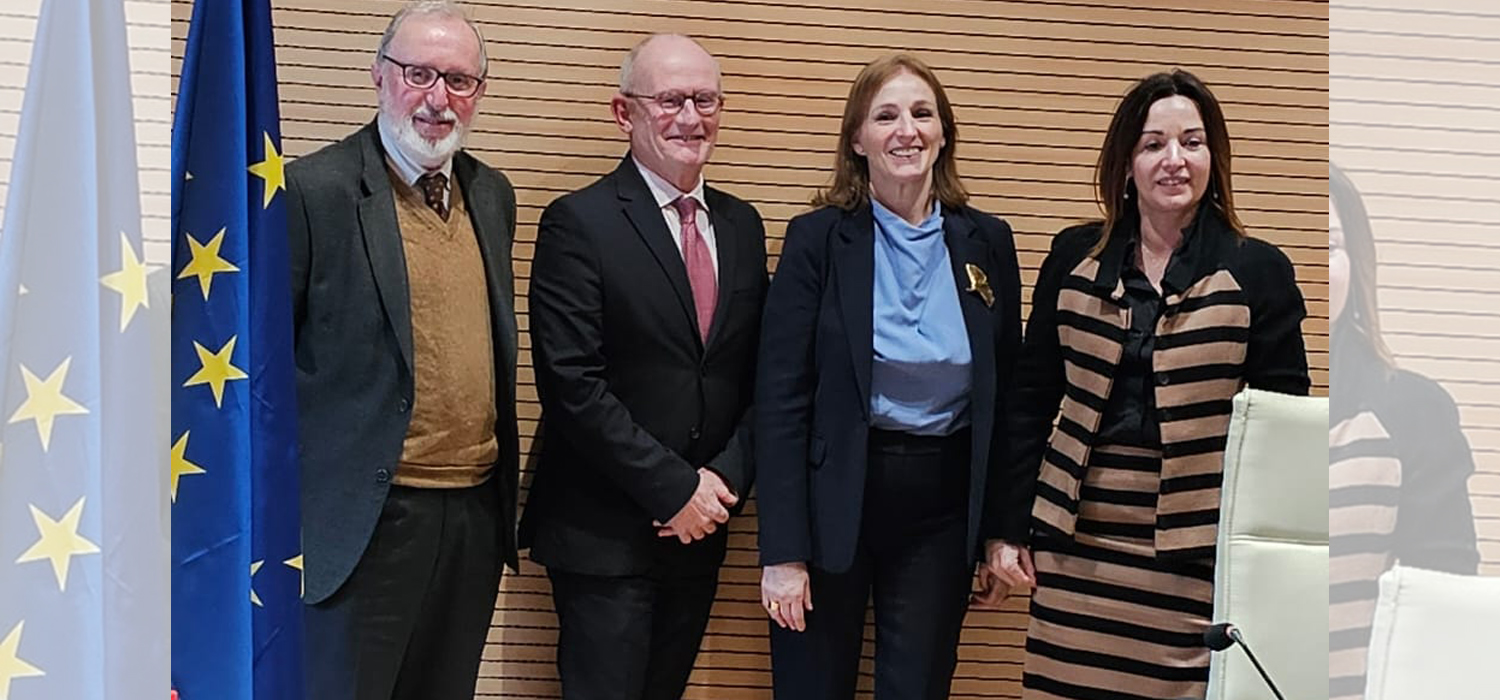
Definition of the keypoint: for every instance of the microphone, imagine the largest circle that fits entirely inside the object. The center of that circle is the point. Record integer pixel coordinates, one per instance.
(1224, 635)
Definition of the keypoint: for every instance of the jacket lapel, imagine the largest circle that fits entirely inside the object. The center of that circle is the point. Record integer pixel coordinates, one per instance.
(382, 234)
(490, 225)
(728, 258)
(641, 210)
(966, 249)
(854, 276)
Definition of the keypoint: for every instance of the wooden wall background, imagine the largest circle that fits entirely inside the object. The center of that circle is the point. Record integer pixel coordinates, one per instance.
(1034, 84)
(1412, 120)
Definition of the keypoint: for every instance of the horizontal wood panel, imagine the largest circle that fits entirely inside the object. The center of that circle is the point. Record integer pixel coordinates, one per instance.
(1412, 89)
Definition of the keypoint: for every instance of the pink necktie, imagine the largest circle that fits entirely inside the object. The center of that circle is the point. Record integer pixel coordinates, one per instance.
(700, 265)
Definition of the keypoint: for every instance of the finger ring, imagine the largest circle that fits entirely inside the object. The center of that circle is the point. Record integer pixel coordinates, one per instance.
(775, 605)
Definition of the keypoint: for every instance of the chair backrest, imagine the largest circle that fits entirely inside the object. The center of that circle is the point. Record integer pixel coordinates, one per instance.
(1435, 636)
(1271, 577)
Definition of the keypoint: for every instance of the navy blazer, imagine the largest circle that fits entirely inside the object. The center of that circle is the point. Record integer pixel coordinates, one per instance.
(813, 379)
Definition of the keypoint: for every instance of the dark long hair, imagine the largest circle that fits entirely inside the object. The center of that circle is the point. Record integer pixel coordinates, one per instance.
(1358, 327)
(1111, 174)
(851, 172)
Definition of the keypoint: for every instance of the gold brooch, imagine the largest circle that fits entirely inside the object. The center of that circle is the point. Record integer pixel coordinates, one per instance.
(979, 284)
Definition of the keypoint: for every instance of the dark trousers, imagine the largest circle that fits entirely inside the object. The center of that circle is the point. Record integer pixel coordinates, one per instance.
(411, 621)
(629, 637)
(912, 561)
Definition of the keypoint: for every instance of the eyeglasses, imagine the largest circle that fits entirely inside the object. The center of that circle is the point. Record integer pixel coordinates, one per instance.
(706, 102)
(424, 77)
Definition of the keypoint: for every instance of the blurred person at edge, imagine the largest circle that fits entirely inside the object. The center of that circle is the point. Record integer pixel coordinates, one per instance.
(1398, 465)
(1143, 328)
(646, 295)
(889, 336)
(405, 338)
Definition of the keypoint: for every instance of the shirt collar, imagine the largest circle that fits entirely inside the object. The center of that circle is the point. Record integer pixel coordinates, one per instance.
(1205, 245)
(665, 192)
(405, 166)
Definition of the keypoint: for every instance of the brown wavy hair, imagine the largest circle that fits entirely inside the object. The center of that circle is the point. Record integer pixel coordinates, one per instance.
(851, 172)
(1114, 190)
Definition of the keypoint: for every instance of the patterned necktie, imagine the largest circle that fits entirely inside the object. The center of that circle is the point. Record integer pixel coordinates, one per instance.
(700, 265)
(434, 186)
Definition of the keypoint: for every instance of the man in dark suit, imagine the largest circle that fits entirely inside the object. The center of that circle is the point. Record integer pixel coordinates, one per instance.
(405, 351)
(645, 304)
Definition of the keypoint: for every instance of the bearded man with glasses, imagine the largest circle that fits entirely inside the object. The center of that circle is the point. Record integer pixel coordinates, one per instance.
(645, 304)
(406, 354)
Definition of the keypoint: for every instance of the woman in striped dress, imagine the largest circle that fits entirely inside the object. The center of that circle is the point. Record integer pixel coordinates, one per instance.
(1398, 465)
(1143, 327)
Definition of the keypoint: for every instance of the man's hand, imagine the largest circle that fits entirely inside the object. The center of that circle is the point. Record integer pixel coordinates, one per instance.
(703, 513)
(786, 594)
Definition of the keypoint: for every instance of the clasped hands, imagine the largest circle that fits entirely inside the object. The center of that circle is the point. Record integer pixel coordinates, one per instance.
(703, 513)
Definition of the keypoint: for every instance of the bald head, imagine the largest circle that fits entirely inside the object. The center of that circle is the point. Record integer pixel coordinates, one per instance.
(662, 52)
(660, 80)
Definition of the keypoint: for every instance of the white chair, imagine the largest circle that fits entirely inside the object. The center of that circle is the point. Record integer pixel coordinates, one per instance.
(1435, 636)
(1271, 577)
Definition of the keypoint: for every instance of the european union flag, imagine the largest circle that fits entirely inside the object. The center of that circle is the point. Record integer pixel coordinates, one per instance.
(236, 551)
(83, 536)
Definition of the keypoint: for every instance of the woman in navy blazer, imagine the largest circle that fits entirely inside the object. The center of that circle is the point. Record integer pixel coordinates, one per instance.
(887, 343)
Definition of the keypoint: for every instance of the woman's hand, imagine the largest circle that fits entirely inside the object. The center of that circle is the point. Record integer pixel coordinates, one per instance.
(786, 594)
(1007, 567)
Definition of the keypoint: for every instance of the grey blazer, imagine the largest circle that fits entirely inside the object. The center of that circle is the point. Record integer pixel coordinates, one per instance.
(353, 335)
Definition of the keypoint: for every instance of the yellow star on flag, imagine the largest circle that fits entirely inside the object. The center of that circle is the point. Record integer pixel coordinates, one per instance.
(271, 171)
(11, 665)
(255, 567)
(216, 370)
(45, 401)
(206, 261)
(129, 281)
(59, 542)
(180, 465)
(296, 563)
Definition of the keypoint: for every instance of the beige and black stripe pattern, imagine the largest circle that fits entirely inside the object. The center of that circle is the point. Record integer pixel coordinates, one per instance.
(1364, 487)
(1202, 339)
(1109, 619)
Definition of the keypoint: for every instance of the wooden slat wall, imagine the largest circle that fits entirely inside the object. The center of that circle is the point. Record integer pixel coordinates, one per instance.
(147, 25)
(1412, 120)
(1034, 85)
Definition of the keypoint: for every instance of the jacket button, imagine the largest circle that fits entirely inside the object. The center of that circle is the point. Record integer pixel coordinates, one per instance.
(695, 433)
(402, 406)
(1163, 379)
(382, 476)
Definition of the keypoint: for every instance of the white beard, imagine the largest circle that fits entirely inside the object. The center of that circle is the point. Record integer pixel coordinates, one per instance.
(428, 154)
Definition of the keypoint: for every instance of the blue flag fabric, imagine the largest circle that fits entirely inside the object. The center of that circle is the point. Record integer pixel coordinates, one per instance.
(236, 552)
(83, 533)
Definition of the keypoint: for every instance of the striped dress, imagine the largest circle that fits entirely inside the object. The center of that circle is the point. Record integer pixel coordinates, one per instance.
(1397, 473)
(1124, 538)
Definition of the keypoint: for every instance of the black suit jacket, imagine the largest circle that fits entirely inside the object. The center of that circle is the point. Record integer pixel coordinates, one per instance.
(633, 402)
(813, 390)
(352, 317)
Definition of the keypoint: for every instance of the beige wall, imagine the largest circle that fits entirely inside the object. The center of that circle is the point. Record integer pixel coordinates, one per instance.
(1412, 121)
(1033, 83)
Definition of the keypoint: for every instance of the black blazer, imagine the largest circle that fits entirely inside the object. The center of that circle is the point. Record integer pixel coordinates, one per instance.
(352, 318)
(813, 388)
(633, 402)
